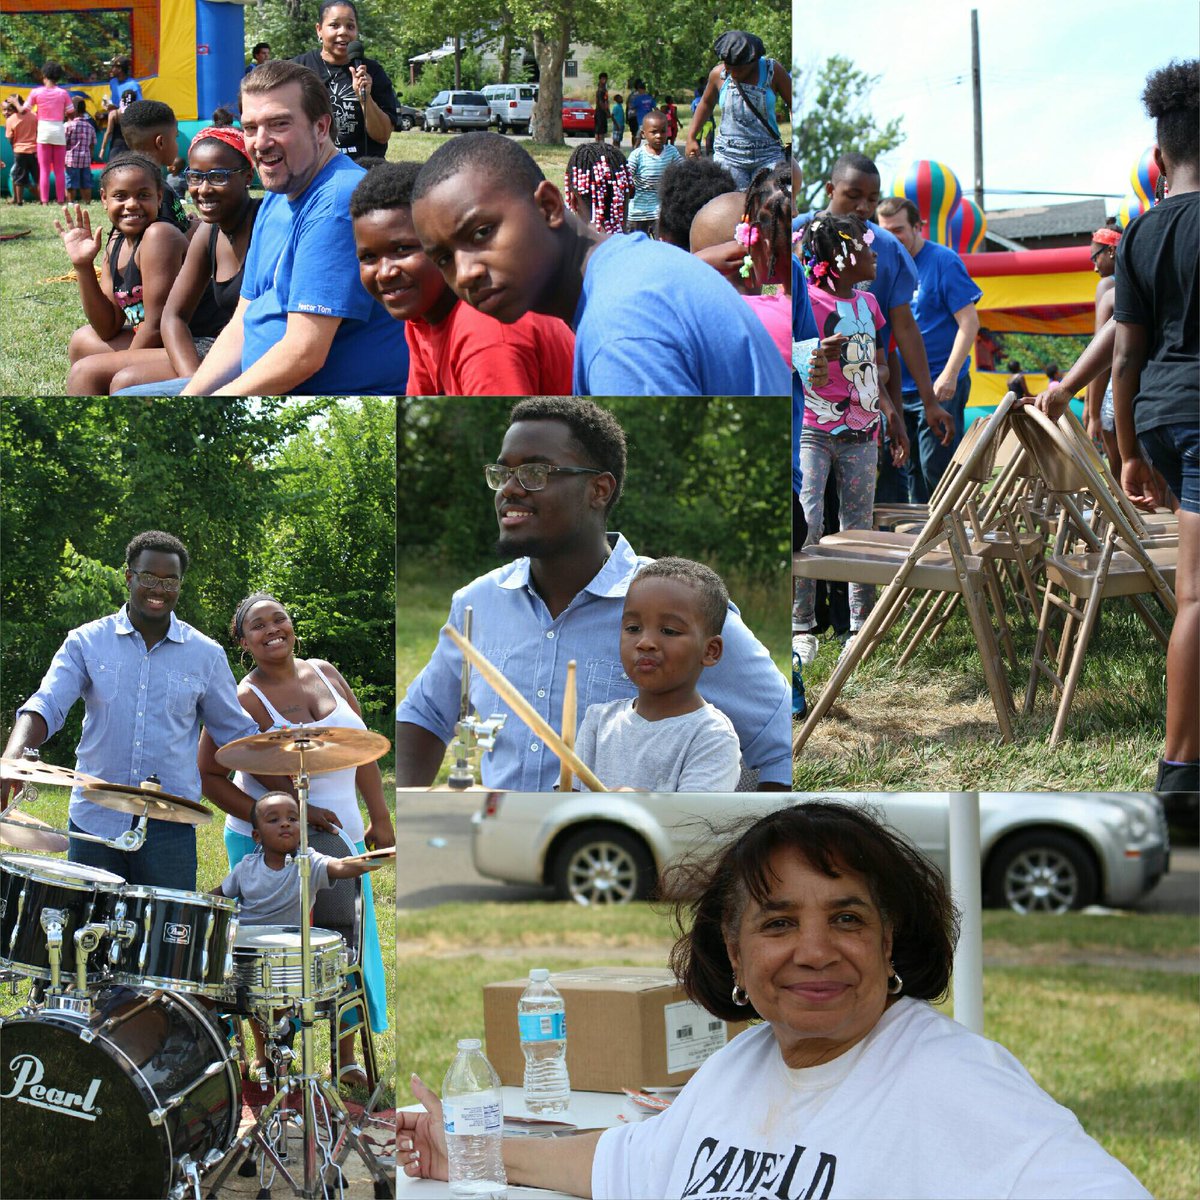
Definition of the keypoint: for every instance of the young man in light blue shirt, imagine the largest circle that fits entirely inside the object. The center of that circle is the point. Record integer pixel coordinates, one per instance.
(559, 474)
(148, 682)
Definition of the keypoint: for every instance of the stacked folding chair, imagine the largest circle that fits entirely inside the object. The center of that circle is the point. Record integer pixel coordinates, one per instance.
(1103, 549)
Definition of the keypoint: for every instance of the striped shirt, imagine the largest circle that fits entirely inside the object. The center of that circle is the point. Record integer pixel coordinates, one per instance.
(81, 142)
(647, 170)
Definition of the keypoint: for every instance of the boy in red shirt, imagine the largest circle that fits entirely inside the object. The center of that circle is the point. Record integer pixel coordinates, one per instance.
(454, 350)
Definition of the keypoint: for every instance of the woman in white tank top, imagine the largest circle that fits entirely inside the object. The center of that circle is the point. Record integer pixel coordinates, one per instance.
(283, 690)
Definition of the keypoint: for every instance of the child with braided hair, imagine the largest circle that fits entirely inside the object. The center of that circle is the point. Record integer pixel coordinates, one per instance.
(765, 231)
(598, 185)
(143, 257)
(841, 417)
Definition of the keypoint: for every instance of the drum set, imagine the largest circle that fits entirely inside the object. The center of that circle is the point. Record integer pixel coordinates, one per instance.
(117, 1074)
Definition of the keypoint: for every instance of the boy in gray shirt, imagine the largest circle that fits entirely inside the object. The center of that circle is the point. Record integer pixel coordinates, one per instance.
(267, 883)
(668, 739)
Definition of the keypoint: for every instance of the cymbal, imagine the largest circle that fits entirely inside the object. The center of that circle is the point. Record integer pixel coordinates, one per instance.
(44, 774)
(320, 747)
(19, 829)
(160, 805)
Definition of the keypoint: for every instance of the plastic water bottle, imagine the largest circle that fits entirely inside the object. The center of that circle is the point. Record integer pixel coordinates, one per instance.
(543, 1024)
(473, 1114)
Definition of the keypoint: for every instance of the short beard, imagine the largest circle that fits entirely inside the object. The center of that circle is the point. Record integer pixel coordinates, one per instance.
(510, 548)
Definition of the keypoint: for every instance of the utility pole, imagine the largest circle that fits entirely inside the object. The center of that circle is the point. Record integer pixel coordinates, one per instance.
(458, 62)
(978, 107)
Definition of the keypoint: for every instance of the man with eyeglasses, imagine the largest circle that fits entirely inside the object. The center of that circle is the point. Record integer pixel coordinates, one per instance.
(560, 472)
(148, 680)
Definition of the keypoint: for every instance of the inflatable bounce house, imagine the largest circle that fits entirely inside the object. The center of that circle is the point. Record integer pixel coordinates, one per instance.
(1050, 293)
(188, 53)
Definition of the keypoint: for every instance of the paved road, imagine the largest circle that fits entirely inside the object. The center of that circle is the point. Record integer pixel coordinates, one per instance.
(433, 832)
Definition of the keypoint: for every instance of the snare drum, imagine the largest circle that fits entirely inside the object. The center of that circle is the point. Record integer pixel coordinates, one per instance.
(173, 939)
(116, 1104)
(266, 963)
(30, 885)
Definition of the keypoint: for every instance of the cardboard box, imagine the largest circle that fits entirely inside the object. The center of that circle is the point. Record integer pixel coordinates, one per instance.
(626, 1027)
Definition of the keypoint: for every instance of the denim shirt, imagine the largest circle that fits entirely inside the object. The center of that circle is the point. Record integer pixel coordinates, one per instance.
(512, 627)
(142, 708)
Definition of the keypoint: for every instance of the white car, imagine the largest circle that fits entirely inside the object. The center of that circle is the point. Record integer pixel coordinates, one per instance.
(1041, 851)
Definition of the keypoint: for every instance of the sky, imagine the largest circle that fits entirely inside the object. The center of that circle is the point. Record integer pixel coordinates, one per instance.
(1061, 84)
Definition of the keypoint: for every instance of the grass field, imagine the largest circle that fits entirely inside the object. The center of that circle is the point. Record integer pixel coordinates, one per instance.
(932, 725)
(39, 303)
(1118, 1046)
(212, 867)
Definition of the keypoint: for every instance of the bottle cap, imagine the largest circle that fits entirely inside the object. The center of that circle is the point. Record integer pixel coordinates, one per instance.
(469, 1043)
(539, 975)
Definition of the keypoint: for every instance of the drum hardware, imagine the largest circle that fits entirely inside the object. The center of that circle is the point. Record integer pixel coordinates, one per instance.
(86, 940)
(472, 732)
(532, 718)
(51, 921)
(301, 751)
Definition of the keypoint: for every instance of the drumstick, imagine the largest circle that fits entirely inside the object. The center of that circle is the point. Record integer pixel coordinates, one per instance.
(525, 710)
(568, 727)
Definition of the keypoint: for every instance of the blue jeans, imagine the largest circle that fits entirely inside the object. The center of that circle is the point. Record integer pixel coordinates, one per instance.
(167, 859)
(166, 387)
(1174, 452)
(928, 458)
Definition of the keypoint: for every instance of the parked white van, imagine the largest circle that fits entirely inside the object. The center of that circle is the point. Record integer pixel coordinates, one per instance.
(511, 105)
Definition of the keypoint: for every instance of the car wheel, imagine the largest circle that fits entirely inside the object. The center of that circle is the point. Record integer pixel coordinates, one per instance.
(405, 122)
(1044, 872)
(442, 125)
(501, 127)
(603, 864)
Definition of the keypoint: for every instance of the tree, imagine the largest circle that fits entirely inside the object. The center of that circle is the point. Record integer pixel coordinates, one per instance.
(834, 119)
(670, 46)
(551, 26)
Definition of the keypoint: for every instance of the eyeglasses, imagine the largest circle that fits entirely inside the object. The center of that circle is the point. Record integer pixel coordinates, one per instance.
(218, 177)
(157, 583)
(531, 476)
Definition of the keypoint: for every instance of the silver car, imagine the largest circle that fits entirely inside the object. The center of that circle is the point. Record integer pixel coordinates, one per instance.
(457, 110)
(1041, 851)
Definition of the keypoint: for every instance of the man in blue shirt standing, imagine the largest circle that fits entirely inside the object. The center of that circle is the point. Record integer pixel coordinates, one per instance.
(148, 681)
(944, 308)
(304, 322)
(560, 471)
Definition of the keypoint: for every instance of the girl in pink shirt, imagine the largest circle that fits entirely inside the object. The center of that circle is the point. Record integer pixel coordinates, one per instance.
(52, 104)
(766, 233)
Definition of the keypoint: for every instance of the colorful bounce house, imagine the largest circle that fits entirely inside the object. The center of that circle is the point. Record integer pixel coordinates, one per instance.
(1050, 293)
(188, 53)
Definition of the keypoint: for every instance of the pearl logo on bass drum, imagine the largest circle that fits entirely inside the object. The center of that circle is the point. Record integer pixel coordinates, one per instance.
(177, 934)
(27, 1088)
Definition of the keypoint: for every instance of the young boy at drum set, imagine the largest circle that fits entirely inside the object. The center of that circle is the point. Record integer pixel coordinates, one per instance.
(668, 738)
(267, 883)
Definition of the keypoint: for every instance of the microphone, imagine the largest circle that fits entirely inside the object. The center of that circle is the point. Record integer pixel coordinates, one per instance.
(355, 53)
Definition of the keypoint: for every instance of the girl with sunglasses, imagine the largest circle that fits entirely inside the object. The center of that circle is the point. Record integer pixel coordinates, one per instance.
(206, 292)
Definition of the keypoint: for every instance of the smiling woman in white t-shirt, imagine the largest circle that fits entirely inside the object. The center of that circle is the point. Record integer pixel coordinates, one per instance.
(837, 933)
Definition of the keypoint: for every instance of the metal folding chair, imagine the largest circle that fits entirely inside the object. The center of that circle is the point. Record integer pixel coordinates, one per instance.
(939, 559)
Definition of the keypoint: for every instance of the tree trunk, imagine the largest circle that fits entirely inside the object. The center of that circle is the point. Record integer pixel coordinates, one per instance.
(550, 49)
(505, 57)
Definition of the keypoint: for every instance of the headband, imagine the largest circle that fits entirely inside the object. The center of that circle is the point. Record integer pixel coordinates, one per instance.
(1106, 236)
(228, 135)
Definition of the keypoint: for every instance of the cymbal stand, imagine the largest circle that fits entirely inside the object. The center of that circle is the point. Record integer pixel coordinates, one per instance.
(132, 839)
(473, 733)
(270, 1124)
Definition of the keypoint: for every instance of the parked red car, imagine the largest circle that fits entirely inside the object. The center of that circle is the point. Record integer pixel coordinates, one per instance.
(578, 116)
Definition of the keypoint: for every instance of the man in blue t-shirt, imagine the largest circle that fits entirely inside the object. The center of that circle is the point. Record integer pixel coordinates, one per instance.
(502, 236)
(304, 322)
(944, 308)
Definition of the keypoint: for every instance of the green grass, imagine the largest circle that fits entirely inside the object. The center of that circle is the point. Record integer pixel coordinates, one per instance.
(212, 867)
(1119, 1047)
(39, 311)
(931, 725)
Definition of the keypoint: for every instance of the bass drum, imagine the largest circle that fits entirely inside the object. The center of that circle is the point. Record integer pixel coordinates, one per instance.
(113, 1105)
